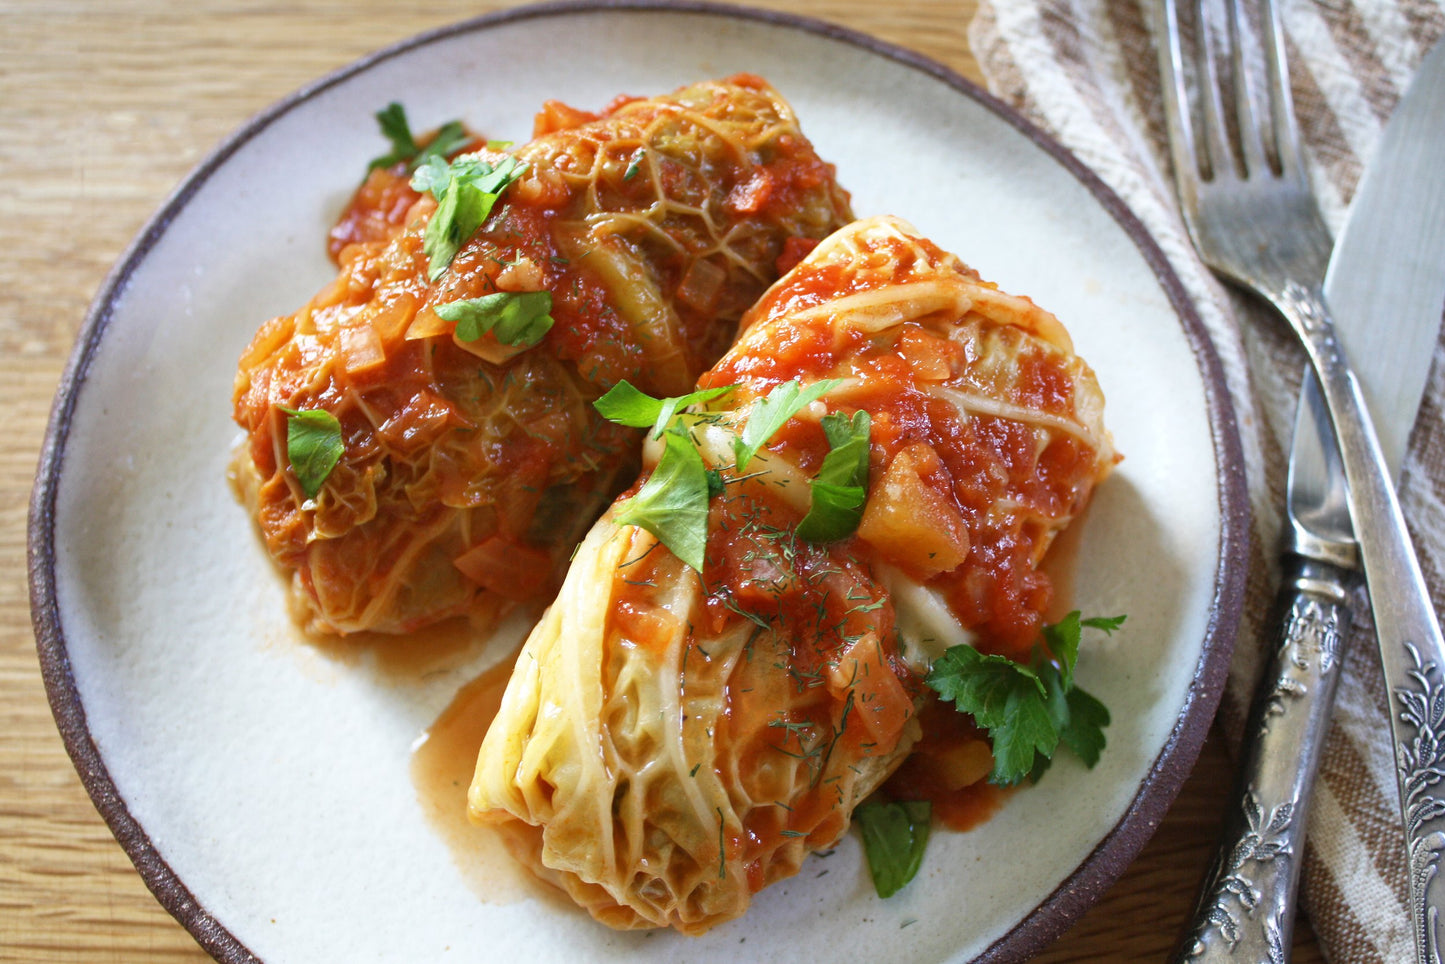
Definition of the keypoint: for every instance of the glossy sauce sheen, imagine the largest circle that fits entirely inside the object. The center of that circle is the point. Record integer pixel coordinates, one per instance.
(441, 769)
(923, 777)
(470, 468)
(432, 649)
(997, 592)
(773, 677)
(818, 600)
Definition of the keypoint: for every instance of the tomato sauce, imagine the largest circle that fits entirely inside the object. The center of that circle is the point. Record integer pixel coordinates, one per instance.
(376, 212)
(968, 463)
(821, 683)
(630, 220)
(442, 763)
(981, 460)
(948, 768)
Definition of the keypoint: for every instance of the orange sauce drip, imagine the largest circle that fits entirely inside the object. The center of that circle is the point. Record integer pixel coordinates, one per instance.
(967, 808)
(410, 656)
(958, 810)
(925, 775)
(399, 657)
(970, 806)
(442, 762)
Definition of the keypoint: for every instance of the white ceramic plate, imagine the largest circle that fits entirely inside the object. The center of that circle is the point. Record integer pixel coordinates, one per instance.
(262, 787)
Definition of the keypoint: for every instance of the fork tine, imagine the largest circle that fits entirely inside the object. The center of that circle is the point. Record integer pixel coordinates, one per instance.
(1176, 106)
(1286, 130)
(1250, 133)
(1218, 156)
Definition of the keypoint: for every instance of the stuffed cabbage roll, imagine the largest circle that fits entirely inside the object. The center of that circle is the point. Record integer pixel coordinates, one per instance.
(471, 460)
(677, 736)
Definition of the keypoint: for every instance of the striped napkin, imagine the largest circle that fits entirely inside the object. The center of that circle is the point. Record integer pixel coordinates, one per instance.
(1087, 72)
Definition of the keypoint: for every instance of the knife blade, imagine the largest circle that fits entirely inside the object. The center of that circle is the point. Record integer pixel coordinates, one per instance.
(1387, 271)
(1386, 288)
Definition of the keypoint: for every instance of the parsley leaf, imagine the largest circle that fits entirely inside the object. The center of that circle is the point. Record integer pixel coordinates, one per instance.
(772, 413)
(514, 318)
(1107, 623)
(634, 164)
(313, 446)
(1063, 639)
(466, 189)
(1084, 733)
(894, 837)
(395, 128)
(982, 684)
(672, 504)
(628, 405)
(1027, 710)
(451, 136)
(1030, 733)
(1056, 704)
(841, 486)
(1005, 698)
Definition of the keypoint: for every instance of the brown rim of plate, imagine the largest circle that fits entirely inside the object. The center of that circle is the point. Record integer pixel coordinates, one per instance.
(1045, 922)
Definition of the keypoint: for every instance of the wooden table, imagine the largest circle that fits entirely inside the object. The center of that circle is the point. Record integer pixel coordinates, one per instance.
(104, 107)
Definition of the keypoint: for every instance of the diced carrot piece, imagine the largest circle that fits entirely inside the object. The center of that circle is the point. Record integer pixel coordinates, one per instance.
(931, 358)
(795, 249)
(428, 324)
(361, 348)
(507, 568)
(649, 626)
(879, 700)
(959, 765)
(556, 116)
(911, 522)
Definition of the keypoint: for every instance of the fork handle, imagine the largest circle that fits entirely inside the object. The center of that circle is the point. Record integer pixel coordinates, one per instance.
(1412, 652)
(1245, 910)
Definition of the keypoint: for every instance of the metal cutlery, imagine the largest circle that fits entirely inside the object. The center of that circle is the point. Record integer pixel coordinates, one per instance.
(1254, 221)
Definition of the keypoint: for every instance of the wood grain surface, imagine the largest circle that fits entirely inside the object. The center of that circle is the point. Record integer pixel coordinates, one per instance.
(104, 107)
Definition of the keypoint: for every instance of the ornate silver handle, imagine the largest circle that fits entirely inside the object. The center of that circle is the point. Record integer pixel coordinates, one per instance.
(1246, 907)
(1412, 651)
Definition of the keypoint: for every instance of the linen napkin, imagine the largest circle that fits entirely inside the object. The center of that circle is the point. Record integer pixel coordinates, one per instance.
(1087, 72)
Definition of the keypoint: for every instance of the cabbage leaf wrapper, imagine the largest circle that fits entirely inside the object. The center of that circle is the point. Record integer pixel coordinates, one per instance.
(472, 467)
(672, 741)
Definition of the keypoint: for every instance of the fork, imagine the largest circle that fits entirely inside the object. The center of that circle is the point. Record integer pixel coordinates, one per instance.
(1254, 221)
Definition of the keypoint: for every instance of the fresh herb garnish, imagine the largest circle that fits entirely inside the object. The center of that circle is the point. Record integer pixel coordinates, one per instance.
(772, 413)
(1063, 638)
(628, 405)
(313, 446)
(392, 120)
(894, 837)
(841, 486)
(672, 503)
(466, 189)
(634, 165)
(517, 318)
(1084, 731)
(1027, 710)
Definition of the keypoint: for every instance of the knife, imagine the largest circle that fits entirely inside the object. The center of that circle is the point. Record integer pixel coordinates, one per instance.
(1385, 288)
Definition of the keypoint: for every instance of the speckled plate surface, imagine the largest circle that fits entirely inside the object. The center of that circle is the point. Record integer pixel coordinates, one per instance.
(262, 785)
